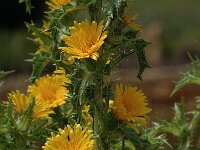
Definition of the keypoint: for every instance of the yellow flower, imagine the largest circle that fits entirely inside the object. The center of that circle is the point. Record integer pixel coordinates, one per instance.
(129, 22)
(85, 40)
(75, 138)
(63, 75)
(54, 4)
(130, 106)
(49, 89)
(21, 103)
(41, 110)
(86, 116)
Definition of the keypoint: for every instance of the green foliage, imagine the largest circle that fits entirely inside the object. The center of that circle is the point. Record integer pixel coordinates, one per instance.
(180, 126)
(192, 76)
(28, 5)
(21, 131)
(91, 80)
(138, 142)
(5, 73)
(39, 62)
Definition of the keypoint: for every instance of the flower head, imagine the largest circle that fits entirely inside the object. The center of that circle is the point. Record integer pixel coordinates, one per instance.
(63, 75)
(49, 89)
(85, 40)
(130, 105)
(22, 101)
(54, 4)
(129, 22)
(86, 116)
(41, 110)
(75, 138)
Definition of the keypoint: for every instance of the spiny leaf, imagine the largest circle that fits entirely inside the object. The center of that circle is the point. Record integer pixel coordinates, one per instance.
(39, 63)
(139, 46)
(180, 113)
(38, 33)
(136, 140)
(110, 122)
(170, 127)
(5, 73)
(118, 7)
(156, 141)
(28, 5)
(83, 2)
(192, 76)
(58, 14)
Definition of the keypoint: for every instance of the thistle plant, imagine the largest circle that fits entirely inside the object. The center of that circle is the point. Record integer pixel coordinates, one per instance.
(79, 106)
(184, 125)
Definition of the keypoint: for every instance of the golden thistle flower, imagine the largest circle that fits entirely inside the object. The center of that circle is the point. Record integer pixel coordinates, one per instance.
(41, 110)
(54, 4)
(75, 138)
(130, 106)
(63, 75)
(85, 40)
(129, 22)
(21, 103)
(50, 89)
(86, 116)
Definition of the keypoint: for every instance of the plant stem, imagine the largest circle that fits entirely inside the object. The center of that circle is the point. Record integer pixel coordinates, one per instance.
(97, 10)
(188, 133)
(96, 128)
(96, 114)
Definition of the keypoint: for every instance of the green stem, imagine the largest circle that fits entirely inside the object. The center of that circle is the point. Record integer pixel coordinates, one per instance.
(37, 70)
(123, 144)
(96, 114)
(98, 110)
(83, 84)
(27, 117)
(187, 133)
(97, 10)
(96, 128)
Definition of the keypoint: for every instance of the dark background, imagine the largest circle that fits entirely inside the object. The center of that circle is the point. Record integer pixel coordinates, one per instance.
(14, 46)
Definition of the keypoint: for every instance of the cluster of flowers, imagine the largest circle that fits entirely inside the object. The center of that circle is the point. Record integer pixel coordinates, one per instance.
(51, 91)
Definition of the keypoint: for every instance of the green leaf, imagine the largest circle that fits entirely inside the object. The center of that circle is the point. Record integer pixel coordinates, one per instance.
(38, 33)
(58, 14)
(136, 140)
(170, 127)
(28, 5)
(39, 62)
(118, 7)
(5, 73)
(110, 122)
(156, 140)
(27, 117)
(138, 46)
(192, 76)
(83, 2)
(180, 117)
